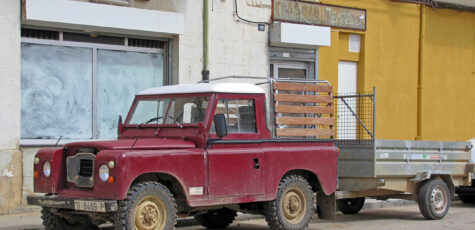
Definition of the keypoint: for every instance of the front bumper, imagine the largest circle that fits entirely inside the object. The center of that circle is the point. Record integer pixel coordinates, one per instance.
(91, 205)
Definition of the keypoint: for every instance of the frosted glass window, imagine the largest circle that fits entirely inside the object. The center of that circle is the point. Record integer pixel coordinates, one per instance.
(56, 92)
(120, 75)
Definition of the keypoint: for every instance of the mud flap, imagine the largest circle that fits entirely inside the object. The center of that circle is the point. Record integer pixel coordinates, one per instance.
(327, 205)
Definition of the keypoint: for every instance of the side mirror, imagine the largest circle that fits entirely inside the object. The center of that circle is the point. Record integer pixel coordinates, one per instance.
(220, 125)
(119, 125)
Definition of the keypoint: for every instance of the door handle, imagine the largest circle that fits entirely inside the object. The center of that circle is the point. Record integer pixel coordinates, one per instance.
(256, 163)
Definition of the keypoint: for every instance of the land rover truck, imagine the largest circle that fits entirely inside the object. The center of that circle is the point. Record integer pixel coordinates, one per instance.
(204, 150)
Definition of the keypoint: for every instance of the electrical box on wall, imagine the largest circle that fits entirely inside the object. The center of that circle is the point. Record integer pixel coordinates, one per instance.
(261, 27)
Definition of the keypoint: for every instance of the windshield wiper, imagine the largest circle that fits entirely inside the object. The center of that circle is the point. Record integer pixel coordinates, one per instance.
(157, 118)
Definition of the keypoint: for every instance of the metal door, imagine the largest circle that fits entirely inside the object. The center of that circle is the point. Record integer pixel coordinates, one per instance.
(347, 84)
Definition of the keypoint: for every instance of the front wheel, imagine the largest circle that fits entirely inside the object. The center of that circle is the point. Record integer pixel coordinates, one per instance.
(219, 218)
(351, 205)
(148, 206)
(293, 207)
(434, 199)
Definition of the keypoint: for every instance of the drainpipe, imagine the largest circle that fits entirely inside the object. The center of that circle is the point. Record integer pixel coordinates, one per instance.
(422, 23)
(205, 72)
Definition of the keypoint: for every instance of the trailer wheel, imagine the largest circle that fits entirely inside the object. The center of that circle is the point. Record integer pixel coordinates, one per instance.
(434, 199)
(219, 218)
(52, 221)
(293, 207)
(350, 206)
(147, 206)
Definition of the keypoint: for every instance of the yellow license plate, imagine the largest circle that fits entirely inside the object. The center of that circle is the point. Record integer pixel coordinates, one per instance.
(93, 206)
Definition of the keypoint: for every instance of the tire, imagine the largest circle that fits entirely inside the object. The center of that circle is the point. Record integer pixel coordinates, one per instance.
(467, 199)
(148, 205)
(52, 221)
(434, 199)
(220, 218)
(350, 206)
(293, 207)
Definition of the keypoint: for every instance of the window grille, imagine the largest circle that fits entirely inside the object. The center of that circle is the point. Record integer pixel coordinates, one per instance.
(99, 39)
(144, 43)
(40, 34)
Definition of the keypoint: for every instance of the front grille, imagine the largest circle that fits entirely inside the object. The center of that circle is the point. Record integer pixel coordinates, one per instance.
(85, 167)
(80, 169)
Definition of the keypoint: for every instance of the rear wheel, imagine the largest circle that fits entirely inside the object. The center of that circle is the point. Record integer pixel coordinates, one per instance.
(51, 221)
(351, 205)
(148, 206)
(219, 218)
(293, 207)
(434, 199)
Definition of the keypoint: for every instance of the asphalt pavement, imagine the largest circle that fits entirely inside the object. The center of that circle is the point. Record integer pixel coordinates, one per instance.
(387, 215)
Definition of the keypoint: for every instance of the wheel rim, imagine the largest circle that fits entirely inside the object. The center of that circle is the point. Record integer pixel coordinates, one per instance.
(438, 199)
(294, 205)
(150, 214)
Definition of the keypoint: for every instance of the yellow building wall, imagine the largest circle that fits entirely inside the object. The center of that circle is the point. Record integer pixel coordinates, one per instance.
(389, 60)
(448, 75)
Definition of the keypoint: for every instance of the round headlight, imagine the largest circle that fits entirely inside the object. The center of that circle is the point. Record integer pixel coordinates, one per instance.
(104, 172)
(47, 169)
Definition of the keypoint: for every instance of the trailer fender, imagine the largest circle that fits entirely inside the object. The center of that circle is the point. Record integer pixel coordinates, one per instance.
(424, 176)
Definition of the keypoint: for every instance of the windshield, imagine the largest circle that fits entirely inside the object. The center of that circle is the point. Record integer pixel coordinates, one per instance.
(184, 110)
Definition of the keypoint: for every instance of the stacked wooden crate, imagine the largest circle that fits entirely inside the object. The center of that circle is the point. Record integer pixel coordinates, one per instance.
(303, 110)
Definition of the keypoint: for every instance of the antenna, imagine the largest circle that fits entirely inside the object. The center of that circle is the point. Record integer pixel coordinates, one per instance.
(56, 145)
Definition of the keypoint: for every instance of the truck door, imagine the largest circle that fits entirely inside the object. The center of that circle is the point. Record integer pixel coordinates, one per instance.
(234, 162)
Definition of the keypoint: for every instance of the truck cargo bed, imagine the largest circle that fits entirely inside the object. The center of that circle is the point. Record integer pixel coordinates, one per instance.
(402, 158)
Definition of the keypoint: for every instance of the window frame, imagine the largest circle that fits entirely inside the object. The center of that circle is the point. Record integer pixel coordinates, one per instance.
(237, 136)
(95, 47)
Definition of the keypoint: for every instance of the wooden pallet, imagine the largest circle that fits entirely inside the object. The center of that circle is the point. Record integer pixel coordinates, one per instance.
(314, 110)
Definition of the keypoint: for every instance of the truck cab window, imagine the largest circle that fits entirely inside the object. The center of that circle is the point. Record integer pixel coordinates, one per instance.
(147, 109)
(240, 115)
(179, 110)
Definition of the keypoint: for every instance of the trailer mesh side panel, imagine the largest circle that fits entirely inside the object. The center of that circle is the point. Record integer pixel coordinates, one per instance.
(355, 117)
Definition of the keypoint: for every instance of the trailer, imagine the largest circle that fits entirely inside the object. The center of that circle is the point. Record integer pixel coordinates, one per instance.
(427, 172)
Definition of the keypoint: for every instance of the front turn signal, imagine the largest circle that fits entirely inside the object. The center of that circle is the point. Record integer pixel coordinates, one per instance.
(36, 174)
(110, 179)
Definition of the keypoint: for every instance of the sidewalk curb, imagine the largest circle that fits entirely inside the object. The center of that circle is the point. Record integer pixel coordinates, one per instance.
(23, 209)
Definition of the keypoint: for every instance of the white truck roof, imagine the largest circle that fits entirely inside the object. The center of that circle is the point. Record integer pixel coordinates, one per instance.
(240, 88)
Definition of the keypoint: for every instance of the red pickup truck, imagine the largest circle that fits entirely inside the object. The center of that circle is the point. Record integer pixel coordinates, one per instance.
(202, 150)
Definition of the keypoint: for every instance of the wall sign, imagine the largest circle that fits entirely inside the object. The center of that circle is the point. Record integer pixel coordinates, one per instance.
(308, 12)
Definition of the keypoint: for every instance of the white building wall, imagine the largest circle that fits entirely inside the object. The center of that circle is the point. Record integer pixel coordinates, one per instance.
(190, 45)
(237, 47)
(10, 74)
(10, 156)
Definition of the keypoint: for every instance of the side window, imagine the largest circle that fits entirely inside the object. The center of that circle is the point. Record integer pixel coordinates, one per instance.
(240, 115)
